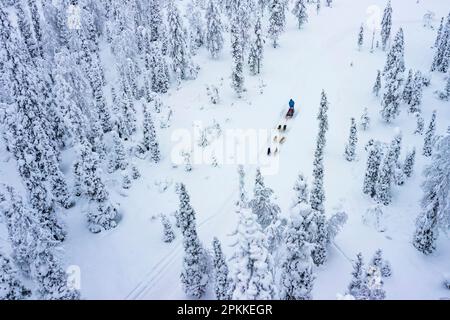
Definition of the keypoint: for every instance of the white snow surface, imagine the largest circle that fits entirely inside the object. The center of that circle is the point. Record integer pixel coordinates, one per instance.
(132, 262)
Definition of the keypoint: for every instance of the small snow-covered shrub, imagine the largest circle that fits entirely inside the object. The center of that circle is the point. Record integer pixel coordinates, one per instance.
(213, 94)
(335, 224)
(168, 234)
(374, 217)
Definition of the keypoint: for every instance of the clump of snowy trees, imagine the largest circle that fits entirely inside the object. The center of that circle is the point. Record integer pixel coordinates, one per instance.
(435, 203)
(367, 282)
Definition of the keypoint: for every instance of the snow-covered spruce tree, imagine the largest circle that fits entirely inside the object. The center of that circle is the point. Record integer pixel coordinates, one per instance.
(196, 28)
(300, 12)
(195, 273)
(118, 158)
(317, 195)
(243, 198)
(435, 201)
(253, 265)
(357, 287)
(320, 251)
(126, 180)
(441, 59)
(439, 33)
(301, 190)
(445, 95)
(177, 46)
(237, 54)
(393, 70)
(150, 140)
(350, 148)
(386, 25)
(127, 109)
(381, 264)
(214, 29)
(377, 86)
(159, 69)
(102, 215)
(11, 288)
(365, 119)
(168, 234)
(420, 124)
(372, 169)
(25, 29)
(223, 285)
(244, 11)
(156, 23)
(373, 284)
(277, 20)
(361, 37)
(430, 136)
(408, 166)
(256, 50)
(408, 89)
(386, 171)
(328, 3)
(297, 275)
(335, 224)
(416, 95)
(261, 204)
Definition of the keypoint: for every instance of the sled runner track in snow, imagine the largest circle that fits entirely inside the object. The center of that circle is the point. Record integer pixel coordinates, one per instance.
(157, 272)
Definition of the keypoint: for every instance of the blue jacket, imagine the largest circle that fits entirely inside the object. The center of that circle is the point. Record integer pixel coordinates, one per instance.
(291, 103)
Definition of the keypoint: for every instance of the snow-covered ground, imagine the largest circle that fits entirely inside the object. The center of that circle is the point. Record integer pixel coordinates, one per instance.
(132, 262)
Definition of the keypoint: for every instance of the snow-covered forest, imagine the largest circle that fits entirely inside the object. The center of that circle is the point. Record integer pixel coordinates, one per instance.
(224, 149)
